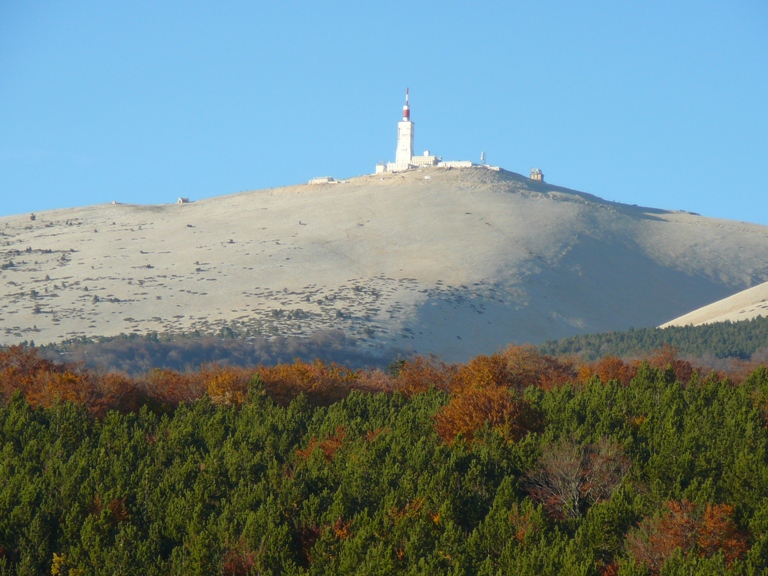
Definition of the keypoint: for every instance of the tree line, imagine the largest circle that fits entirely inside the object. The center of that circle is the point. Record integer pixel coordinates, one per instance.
(746, 339)
(716, 346)
(136, 354)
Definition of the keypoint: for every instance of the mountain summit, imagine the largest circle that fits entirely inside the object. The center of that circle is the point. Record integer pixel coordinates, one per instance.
(455, 261)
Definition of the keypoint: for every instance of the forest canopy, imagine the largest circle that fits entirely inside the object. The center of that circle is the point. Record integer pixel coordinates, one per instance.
(743, 340)
(514, 463)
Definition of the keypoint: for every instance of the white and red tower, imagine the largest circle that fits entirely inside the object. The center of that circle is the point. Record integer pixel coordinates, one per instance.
(404, 158)
(404, 151)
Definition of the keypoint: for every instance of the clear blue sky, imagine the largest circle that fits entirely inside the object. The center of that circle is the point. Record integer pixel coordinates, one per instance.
(656, 103)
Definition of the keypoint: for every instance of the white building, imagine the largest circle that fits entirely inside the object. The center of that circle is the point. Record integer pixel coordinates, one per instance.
(404, 151)
(456, 164)
(404, 158)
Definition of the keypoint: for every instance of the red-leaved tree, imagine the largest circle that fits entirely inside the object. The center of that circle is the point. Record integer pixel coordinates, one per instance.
(685, 526)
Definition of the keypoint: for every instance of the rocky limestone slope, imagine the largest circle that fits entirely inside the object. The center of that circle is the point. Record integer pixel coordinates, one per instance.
(451, 261)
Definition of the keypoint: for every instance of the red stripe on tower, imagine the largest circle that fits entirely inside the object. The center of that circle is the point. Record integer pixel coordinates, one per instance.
(406, 109)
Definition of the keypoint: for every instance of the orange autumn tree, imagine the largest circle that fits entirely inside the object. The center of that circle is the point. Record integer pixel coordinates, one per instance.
(226, 385)
(608, 369)
(666, 358)
(170, 388)
(613, 368)
(481, 372)
(483, 391)
(525, 366)
(503, 410)
(117, 392)
(322, 383)
(21, 369)
(517, 367)
(66, 386)
(684, 526)
(419, 374)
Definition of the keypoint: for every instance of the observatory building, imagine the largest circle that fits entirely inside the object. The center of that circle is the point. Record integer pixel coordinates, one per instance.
(404, 158)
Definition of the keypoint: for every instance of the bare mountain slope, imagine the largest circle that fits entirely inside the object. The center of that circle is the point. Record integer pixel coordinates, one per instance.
(744, 305)
(455, 262)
